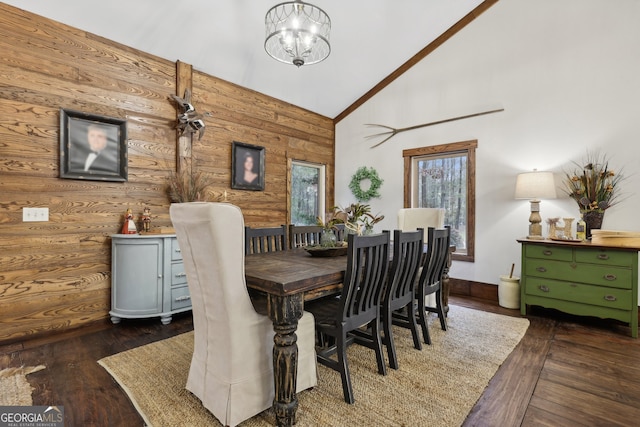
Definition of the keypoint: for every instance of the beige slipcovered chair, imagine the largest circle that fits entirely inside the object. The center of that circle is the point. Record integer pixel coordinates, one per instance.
(232, 365)
(410, 219)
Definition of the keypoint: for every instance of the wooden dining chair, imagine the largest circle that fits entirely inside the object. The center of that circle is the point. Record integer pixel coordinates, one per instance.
(304, 235)
(430, 280)
(267, 239)
(358, 306)
(398, 299)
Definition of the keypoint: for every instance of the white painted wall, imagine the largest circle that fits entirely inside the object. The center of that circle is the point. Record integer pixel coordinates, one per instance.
(567, 73)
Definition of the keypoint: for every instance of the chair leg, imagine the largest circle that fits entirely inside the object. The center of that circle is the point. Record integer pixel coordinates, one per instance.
(387, 322)
(343, 366)
(413, 325)
(440, 310)
(422, 316)
(377, 346)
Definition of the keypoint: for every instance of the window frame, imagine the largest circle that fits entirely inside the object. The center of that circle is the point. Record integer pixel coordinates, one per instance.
(322, 185)
(462, 147)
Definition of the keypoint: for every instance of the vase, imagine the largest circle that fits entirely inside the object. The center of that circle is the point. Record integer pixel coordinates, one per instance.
(593, 221)
(328, 238)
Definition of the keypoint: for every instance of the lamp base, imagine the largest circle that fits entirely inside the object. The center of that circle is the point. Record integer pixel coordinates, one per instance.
(535, 238)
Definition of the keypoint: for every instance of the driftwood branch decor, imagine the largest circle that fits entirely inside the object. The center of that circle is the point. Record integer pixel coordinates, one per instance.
(393, 131)
(188, 119)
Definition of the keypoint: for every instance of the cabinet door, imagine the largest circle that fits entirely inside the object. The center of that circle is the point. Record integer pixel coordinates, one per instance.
(137, 277)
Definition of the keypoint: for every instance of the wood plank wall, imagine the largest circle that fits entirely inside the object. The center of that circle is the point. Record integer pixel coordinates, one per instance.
(56, 275)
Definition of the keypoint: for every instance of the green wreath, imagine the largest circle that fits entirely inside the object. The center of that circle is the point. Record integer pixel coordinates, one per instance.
(365, 173)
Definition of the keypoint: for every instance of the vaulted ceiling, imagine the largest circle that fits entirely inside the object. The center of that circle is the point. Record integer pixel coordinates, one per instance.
(224, 38)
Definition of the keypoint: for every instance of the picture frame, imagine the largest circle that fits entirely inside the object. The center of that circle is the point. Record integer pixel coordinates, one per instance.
(247, 166)
(92, 147)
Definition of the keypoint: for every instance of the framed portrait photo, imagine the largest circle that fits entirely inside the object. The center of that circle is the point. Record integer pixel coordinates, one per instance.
(92, 147)
(247, 167)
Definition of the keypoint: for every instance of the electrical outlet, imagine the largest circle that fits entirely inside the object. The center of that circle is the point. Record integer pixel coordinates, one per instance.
(35, 214)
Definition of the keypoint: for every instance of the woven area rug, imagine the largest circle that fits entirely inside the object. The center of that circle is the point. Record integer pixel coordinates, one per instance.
(436, 386)
(15, 390)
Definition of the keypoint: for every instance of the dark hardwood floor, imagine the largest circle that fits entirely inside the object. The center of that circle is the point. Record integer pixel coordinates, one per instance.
(566, 371)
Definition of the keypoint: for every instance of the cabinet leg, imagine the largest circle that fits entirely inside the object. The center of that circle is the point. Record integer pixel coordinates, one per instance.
(115, 320)
(165, 320)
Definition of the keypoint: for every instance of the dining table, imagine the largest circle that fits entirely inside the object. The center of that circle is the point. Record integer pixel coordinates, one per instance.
(286, 277)
(289, 278)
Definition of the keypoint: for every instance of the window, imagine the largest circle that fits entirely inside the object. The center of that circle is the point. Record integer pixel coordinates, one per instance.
(443, 176)
(307, 192)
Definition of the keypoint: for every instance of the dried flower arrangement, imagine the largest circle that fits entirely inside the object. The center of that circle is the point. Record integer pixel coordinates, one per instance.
(187, 186)
(593, 186)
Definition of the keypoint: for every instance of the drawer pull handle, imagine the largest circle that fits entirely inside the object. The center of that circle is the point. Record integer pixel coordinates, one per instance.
(178, 250)
(181, 274)
(610, 277)
(547, 252)
(183, 298)
(541, 269)
(543, 288)
(610, 298)
(603, 256)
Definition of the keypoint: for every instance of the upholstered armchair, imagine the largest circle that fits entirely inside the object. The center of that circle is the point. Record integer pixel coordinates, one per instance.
(410, 219)
(232, 365)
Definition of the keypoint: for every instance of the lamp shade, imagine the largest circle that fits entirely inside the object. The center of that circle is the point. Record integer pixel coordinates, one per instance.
(535, 185)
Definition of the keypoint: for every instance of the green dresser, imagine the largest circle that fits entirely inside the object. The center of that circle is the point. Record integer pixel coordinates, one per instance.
(582, 279)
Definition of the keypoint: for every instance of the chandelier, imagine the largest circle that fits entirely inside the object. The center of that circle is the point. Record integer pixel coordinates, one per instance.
(297, 33)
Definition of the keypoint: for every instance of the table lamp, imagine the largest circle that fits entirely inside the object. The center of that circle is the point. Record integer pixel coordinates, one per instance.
(535, 186)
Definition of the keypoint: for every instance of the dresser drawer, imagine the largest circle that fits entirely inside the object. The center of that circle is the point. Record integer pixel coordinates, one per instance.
(549, 252)
(603, 275)
(580, 293)
(178, 276)
(180, 298)
(176, 255)
(595, 256)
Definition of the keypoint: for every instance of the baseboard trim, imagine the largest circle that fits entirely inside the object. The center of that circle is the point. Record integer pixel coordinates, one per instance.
(473, 289)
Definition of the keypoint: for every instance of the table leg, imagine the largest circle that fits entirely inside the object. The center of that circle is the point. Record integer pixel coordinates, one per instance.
(445, 282)
(284, 312)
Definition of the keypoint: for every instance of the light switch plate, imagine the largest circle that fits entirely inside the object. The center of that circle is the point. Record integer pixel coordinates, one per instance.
(35, 214)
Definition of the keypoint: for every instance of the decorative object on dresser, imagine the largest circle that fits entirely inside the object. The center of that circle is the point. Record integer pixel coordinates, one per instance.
(584, 279)
(128, 226)
(534, 186)
(187, 185)
(147, 277)
(594, 188)
(146, 219)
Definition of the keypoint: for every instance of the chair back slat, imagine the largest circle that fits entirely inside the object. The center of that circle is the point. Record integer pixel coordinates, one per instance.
(267, 239)
(407, 254)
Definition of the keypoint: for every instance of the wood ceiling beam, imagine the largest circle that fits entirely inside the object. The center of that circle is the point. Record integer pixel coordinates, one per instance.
(466, 20)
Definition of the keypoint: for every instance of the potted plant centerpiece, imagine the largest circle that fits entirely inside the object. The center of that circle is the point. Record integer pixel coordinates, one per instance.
(594, 188)
(359, 219)
(328, 239)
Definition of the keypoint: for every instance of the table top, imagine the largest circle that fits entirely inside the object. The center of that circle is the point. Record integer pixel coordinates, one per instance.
(293, 271)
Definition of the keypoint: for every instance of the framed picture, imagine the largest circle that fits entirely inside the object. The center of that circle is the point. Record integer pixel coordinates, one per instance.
(92, 147)
(247, 167)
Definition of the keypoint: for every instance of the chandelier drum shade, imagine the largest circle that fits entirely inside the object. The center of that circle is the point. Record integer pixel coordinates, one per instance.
(297, 33)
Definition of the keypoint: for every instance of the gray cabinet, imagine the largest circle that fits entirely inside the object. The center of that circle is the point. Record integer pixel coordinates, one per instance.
(147, 277)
